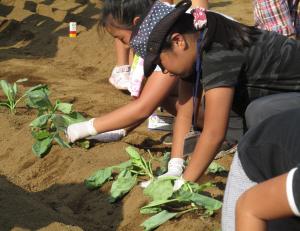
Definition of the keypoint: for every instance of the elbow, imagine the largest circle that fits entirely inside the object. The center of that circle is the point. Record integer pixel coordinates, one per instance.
(143, 110)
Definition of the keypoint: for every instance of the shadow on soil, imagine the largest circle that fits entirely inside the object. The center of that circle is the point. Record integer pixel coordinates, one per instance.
(70, 204)
(36, 36)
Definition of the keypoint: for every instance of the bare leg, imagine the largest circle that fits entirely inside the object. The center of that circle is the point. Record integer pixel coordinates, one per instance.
(265, 201)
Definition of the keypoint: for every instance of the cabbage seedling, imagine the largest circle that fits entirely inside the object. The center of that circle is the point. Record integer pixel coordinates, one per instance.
(128, 174)
(11, 91)
(166, 204)
(51, 122)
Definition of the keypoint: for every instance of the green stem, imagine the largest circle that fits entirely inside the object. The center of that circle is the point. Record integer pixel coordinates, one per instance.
(5, 104)
(19, 99)
(186, 211)
(136, 172)
(190, 188)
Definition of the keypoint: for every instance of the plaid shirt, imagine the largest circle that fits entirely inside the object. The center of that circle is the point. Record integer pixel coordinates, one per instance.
(282, 16)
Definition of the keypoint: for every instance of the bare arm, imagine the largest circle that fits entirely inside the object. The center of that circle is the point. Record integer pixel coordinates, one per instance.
(156, 89)
(218, 103)
(183, 119)
(265, 201)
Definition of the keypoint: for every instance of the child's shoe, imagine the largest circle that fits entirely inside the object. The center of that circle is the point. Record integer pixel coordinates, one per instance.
(120, 77)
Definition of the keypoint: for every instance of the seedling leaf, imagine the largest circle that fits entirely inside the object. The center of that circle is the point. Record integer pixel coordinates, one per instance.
(59, 122)
(61, 142)
(21, 80)
(7, 89)
(124, 183)
(40, 134)
(132, 152)
(140, 162)
(157, 203)
(207, 202)
(123, 166)
(157, 220)
(38, 98)
(98, 178)
(83, 144)
(41, 147)
(214, 167)
(64, 107)
(150, 210)
(43, 87)
(40, 121)
(74, 117)
(159, 189)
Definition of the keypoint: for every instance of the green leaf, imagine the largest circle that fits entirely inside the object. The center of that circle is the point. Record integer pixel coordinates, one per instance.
(21, 80)
(61, 142)
(59, 122)
(123, 166)
(199, 188)
(40, 135)
(43, 87)
(64, 107)
(98, 178)
(5, 88)
(207, 202)
(40, 121)
(150, 210)
(38, 98)
(155, 206)
(41, 148)
(136, 158)
(74, 117)
(132, 152)
(5, 104)
(83, 144)
(159, 189)
(15, 90)
(164, 162)
(124, 183)
(214, 167)
(158, 203)
(157, 220)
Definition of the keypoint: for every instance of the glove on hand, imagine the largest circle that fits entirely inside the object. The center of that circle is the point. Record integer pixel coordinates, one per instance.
(175, 167)
(178, 184)
(109, 136)
(80, 130)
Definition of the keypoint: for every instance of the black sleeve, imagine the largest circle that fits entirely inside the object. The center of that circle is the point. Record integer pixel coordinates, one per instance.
(293, 190)
(221, 67)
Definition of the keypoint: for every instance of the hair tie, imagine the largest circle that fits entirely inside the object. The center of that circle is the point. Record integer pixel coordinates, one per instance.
(200, 19)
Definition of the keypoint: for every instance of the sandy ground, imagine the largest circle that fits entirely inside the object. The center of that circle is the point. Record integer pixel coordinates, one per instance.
(48, 194)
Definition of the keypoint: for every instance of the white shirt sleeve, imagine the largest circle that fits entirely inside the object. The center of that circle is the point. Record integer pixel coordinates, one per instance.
(290, 192)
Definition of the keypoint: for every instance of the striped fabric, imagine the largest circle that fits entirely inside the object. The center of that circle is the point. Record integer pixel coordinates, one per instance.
(282, 16)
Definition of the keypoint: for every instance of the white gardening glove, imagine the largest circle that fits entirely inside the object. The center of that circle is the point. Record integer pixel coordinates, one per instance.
(109, 136)
(178, 184)
(175, 167)
(80, 130)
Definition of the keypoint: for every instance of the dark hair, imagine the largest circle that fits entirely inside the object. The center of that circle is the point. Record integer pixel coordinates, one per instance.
(123, 12)
(230, 34)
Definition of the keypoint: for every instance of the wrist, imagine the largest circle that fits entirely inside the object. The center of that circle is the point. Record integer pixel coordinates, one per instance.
(90, 127)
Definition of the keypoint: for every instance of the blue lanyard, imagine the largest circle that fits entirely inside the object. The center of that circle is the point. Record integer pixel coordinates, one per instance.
(196, 87)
